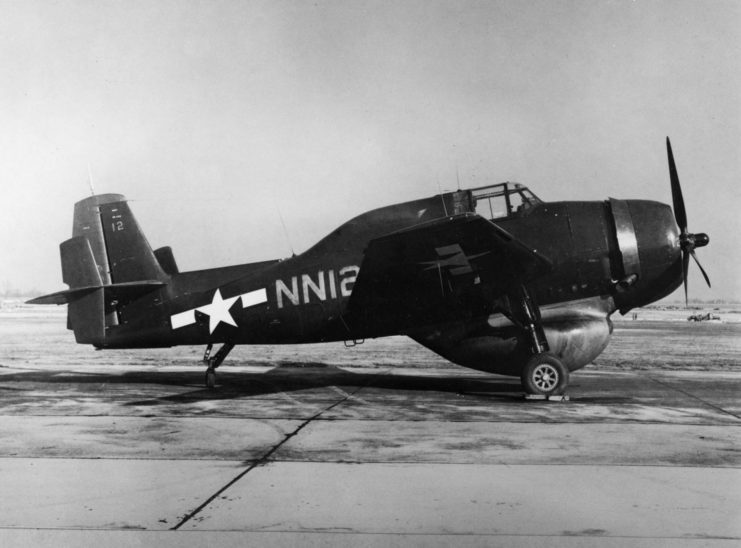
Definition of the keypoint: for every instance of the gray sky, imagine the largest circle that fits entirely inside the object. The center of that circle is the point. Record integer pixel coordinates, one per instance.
(209, 116)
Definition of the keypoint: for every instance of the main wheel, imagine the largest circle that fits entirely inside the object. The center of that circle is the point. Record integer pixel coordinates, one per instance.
(544, 374)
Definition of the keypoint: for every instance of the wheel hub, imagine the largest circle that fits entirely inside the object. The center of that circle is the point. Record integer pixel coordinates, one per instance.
(545, 377)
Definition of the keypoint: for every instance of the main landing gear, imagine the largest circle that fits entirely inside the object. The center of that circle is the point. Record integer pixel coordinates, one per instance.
(544, 375)
(213, 362)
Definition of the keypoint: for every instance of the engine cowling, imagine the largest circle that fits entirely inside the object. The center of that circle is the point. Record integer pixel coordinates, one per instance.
(649, 244)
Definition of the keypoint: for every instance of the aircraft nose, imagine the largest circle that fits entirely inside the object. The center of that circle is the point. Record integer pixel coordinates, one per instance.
(658, 239)
(649, 244)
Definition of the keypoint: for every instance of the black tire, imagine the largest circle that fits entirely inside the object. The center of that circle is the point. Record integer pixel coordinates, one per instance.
(545, 374)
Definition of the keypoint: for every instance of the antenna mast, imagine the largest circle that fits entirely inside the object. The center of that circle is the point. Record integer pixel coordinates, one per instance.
(442, 198)
(90, 179)
(283, 224)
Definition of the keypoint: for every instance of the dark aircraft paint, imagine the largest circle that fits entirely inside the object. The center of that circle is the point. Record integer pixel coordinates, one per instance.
(487, 293)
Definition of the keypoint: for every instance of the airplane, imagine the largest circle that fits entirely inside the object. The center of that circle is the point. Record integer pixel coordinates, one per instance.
(491, 278)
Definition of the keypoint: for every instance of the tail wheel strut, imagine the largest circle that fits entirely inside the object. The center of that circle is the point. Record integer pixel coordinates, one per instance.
(213, 362)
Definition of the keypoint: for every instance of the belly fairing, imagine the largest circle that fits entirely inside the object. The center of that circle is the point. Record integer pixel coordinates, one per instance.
(503, 348)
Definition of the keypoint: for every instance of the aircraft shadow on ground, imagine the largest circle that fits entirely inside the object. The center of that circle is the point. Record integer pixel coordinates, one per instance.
(245, 384)
(232, 385)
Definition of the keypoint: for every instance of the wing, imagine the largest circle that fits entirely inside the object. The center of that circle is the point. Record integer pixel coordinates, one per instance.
(446, 270)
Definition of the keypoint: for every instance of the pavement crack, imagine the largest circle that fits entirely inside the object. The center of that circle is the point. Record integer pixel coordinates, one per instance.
(690, 395)
(262, 460)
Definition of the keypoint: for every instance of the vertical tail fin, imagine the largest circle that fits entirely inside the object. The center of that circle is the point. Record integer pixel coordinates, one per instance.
(111, 271)
(107, 263)
(107, 248)
(120, 250)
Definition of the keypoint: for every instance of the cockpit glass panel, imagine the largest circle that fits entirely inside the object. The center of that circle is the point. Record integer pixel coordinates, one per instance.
(516, 201)
(502, 200)
(491, 207)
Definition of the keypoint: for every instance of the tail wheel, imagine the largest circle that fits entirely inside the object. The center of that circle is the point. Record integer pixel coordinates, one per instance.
(545, 374)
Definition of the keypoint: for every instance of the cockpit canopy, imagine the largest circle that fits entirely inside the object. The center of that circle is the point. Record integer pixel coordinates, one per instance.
(502, 200)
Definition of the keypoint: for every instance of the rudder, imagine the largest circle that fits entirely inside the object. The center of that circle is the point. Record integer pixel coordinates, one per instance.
(79, 271)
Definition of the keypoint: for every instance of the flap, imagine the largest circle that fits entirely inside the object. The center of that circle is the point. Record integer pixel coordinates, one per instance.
(446, 270)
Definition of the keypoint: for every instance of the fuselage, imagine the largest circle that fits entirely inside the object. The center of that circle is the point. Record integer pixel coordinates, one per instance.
(605, 256)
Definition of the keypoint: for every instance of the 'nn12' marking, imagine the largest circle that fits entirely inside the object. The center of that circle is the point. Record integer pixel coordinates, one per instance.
(324, 287)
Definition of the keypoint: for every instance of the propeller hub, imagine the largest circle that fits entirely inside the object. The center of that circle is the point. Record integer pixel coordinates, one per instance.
(701, 239)
(691, 241)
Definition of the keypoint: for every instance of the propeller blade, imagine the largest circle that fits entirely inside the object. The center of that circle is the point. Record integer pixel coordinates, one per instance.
(704, 275)
(685, 271)
(679, 212)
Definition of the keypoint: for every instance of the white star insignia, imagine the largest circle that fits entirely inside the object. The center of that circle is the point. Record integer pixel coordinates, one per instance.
(218, 311)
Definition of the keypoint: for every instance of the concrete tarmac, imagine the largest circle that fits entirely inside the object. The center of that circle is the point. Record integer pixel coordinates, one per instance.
(318, 456)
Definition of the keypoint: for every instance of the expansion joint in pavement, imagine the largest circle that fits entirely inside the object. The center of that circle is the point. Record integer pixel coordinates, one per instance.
(690, 395)
(263, 459)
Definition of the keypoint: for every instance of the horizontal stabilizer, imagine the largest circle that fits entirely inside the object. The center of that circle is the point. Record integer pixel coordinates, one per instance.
(123, 292)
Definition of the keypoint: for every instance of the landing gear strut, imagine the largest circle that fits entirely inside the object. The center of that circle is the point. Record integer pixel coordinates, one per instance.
(213, 362)
(544, 374)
